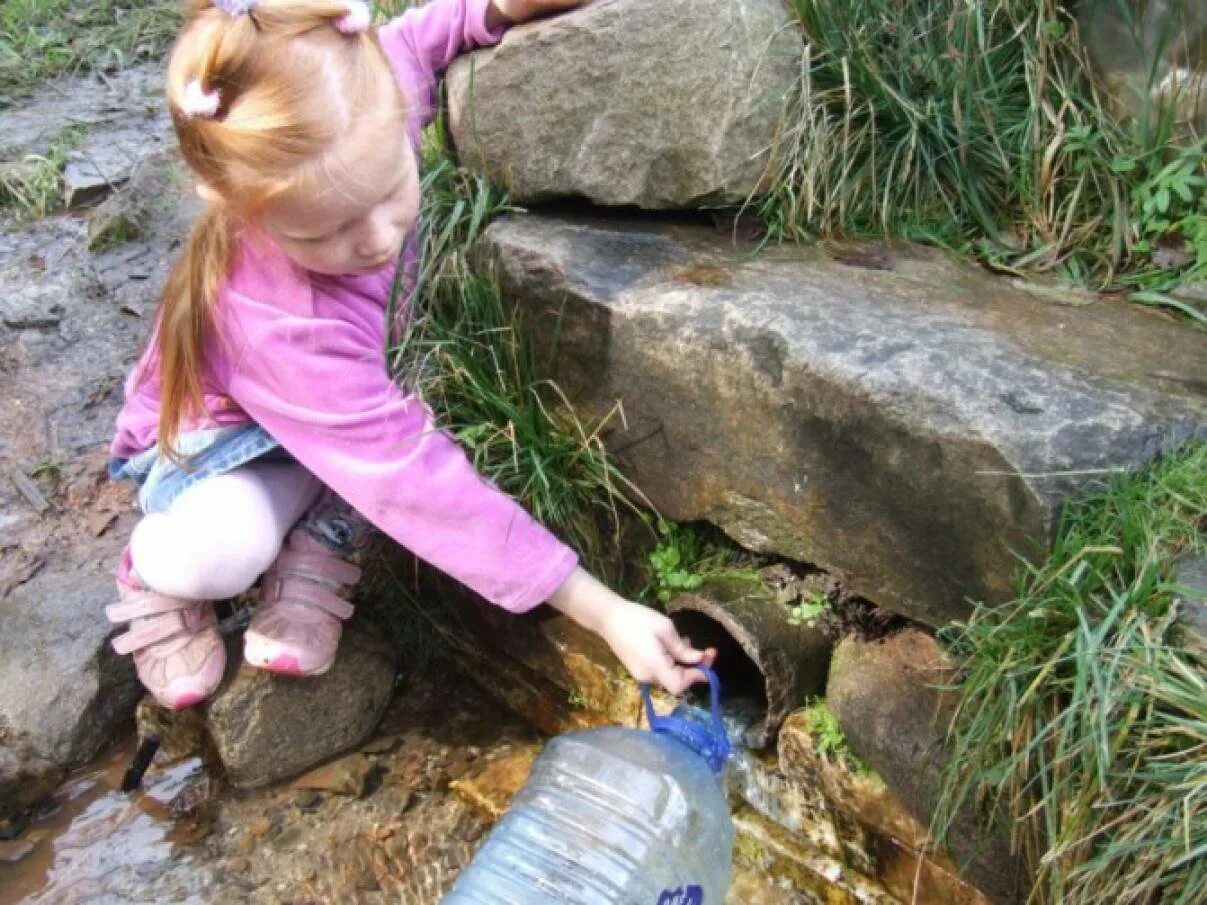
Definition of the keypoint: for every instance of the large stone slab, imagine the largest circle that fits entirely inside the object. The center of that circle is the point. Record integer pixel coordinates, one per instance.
(896, 415)
(658, 103)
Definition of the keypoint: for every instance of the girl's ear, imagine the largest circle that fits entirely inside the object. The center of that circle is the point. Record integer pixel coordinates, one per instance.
(207, 193)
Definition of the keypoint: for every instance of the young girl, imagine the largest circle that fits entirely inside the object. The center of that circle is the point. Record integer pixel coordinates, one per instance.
(263, 402)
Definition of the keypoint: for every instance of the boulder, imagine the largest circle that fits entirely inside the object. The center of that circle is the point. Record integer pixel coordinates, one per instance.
(890, 413)
(24, 782)
(656, 103)
(63, 692)
(267, 728)
(884, 696)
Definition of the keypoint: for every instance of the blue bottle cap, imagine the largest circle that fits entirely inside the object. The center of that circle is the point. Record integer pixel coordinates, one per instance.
(710, 743)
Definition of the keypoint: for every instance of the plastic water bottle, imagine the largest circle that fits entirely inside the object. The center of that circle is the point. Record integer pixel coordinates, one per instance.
(614, 816)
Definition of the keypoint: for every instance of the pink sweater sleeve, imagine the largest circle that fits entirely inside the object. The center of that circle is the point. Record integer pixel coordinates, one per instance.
(316, 380)
(423, 41)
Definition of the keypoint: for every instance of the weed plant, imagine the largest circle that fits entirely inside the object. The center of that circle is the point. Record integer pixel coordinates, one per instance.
(976, 126)
(33, 187)
(1082, 717)
(470, 360)
(43, 38)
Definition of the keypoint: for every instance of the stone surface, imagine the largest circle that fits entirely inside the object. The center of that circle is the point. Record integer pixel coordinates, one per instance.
(346, 776)
(657, 103)
(63, 692)
(24, 782)
(267, 728)
(491, 786)
(883, 696)
(899, 845)
(541, 665)
(72, 325)
(1190, 573)
(111, 123)
(892, 414)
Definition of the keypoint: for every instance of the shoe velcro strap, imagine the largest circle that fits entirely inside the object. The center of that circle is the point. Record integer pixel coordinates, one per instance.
(156, 629)
(147, 603)
(327, 567)
(292, 589)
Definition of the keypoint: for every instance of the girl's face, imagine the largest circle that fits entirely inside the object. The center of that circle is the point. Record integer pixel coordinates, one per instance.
(363, 209)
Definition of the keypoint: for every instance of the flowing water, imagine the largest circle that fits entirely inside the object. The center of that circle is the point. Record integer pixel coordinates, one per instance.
(95, 844)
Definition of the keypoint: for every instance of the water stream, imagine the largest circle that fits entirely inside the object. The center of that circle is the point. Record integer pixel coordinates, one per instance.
(92, 843)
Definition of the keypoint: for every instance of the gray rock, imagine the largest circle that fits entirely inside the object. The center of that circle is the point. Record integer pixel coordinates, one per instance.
(892, 414)
(64, 692)
(72, 325)
(883, 696)
(24, 782)
(111, 123)
(657, 103)
(268, 728)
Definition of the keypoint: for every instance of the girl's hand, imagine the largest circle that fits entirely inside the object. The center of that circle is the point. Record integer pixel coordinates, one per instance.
(644, 640)
(650, 647)
(515, 11)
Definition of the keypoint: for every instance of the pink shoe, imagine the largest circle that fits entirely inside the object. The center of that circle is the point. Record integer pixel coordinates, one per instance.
(297, 626)
(178, 653)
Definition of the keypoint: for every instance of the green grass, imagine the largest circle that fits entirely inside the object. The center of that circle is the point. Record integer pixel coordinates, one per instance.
(975, 126)
(1082, 719)
(830, 742)
(469, 359)
(43, 38)
(32, 187)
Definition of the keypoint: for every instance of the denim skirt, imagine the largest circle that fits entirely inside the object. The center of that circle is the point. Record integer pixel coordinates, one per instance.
(204, 453)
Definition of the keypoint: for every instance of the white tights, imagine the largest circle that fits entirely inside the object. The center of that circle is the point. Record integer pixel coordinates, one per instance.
(219, 535)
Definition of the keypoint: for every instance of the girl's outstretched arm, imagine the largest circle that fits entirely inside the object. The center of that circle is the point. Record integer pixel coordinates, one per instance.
(423, 41)
(644, 640)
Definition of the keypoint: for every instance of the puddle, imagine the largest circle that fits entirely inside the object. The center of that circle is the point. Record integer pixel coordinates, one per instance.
(97, 845)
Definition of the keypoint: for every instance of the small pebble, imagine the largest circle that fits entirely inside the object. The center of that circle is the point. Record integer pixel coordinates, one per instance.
(307, 799)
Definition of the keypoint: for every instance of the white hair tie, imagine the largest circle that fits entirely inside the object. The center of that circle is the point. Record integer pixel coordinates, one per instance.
(355, 20)
(199, 103)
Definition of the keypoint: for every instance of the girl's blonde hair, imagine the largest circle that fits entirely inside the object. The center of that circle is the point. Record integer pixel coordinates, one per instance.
(288, 85)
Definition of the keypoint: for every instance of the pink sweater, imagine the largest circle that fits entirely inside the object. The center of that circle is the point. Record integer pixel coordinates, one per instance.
(302, 355)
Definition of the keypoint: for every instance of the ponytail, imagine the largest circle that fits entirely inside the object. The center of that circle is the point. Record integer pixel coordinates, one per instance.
(186, 317)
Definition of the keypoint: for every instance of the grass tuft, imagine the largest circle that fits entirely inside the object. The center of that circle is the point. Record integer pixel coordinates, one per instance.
(1082, 718)
(976, 126)
(469, 359)
(32, 187)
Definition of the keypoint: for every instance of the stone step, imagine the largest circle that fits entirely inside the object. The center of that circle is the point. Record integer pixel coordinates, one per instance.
(891, 413)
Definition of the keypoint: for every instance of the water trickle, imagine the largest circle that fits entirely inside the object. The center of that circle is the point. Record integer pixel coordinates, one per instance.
(94, 844)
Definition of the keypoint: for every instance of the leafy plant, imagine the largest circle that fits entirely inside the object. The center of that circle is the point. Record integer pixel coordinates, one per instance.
(1082, 717)
(33, 187)
(829, 741)
(806, 612)
(686, 554)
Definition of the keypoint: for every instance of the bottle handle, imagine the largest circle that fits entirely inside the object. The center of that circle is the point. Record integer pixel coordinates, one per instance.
(711, 744)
